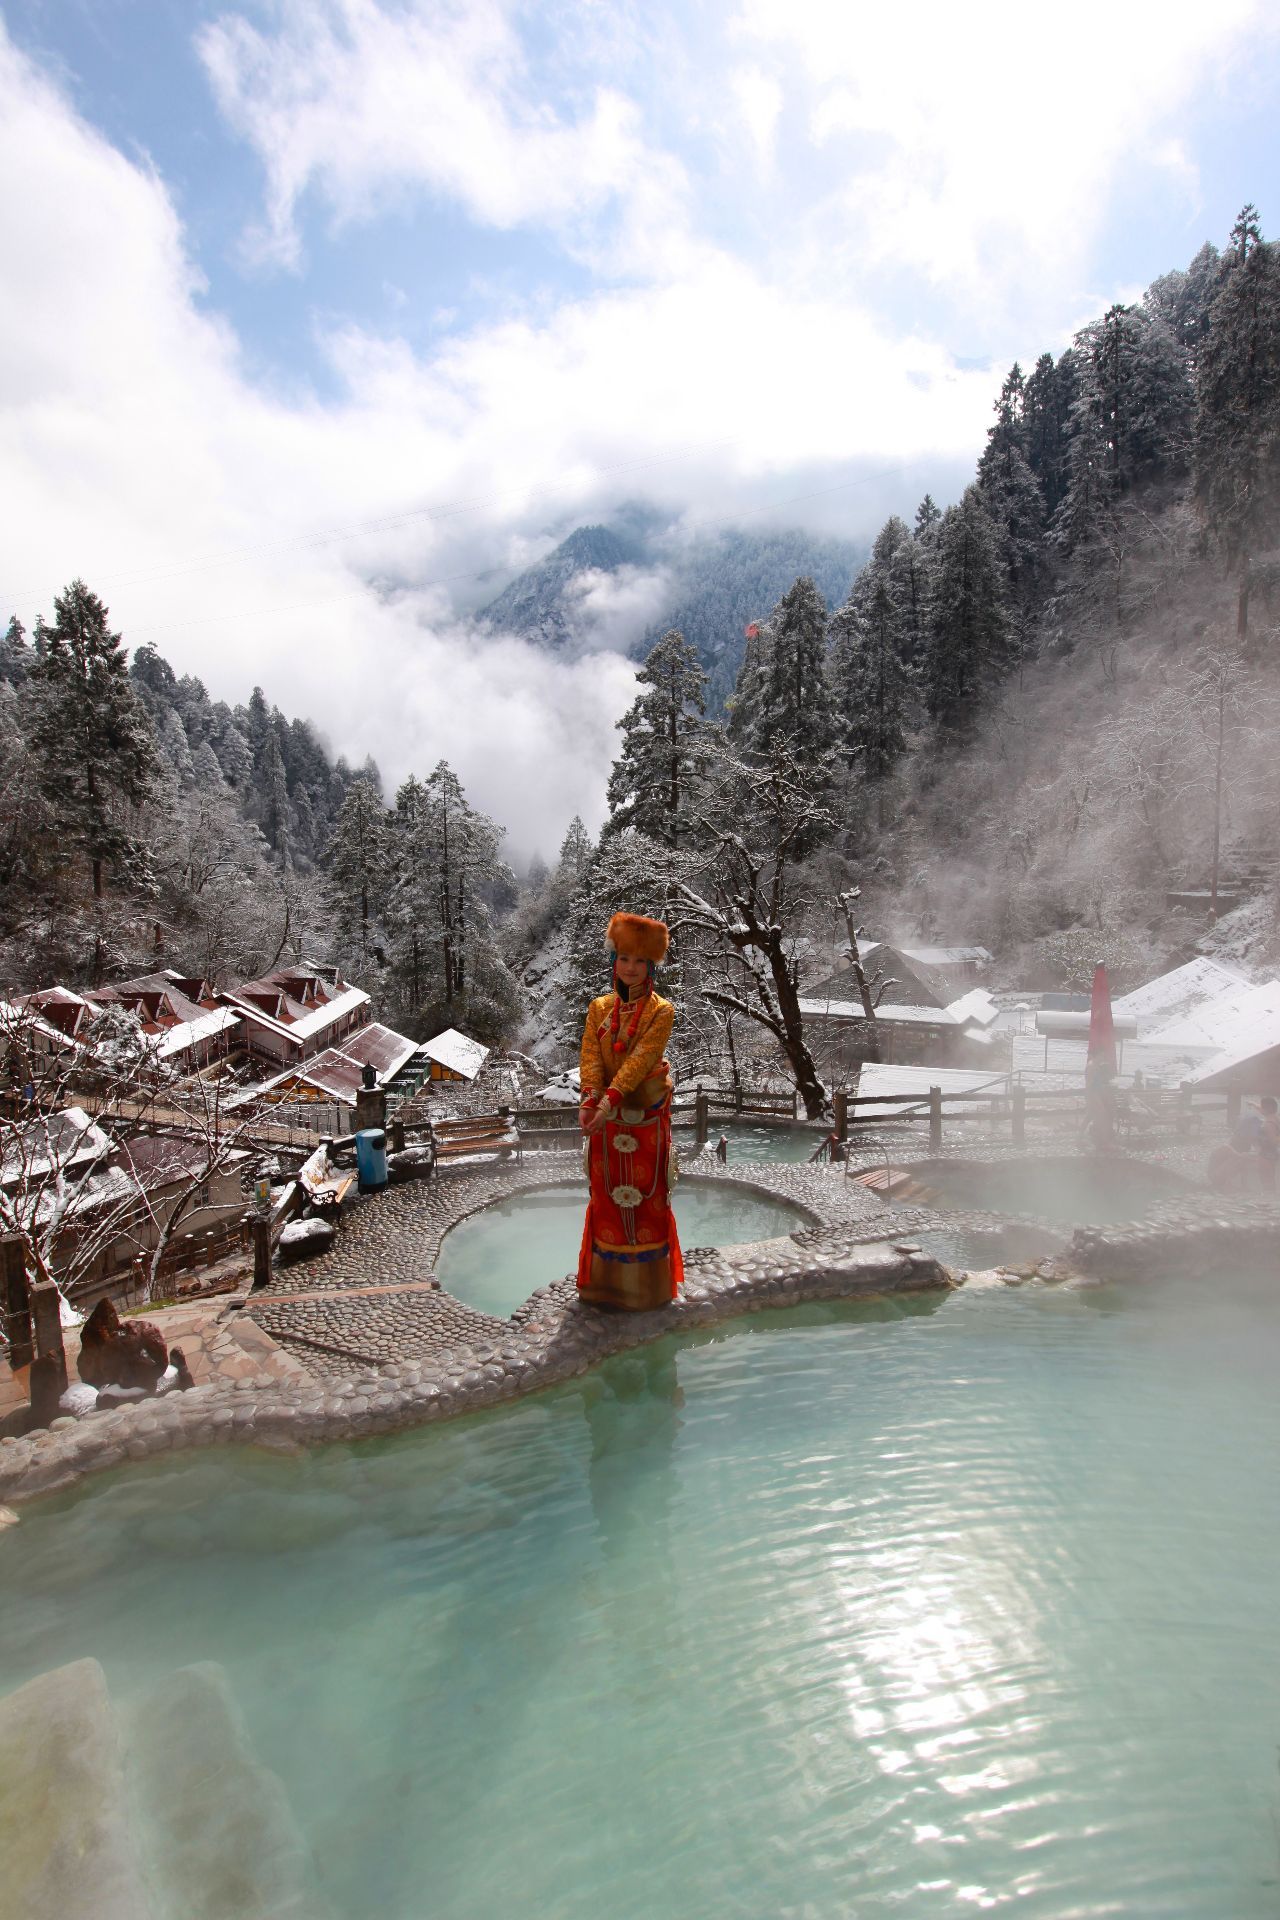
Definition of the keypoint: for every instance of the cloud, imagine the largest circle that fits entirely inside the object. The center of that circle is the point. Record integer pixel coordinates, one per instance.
(359, 102)
(616, 609)
(980, 148)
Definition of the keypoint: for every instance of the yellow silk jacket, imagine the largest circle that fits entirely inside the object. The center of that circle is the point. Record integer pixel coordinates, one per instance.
(601, 1067)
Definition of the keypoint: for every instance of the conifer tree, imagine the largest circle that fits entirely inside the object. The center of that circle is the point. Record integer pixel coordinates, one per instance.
(15, 654)
(1237, 429)
(928, 516)
(794, 698)
(648, 787)
(969, 640)
(1047, 400)
(92, 742)
(357, 874)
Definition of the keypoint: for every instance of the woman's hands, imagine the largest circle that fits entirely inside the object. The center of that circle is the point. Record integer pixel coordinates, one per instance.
(592, 1115)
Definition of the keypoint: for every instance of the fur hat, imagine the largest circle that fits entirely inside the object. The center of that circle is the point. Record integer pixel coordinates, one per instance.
(632, 933)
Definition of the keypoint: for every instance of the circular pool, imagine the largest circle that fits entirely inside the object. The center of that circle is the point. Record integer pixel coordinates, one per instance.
(928, 1607)
(496, 1258)
(1087, 1190)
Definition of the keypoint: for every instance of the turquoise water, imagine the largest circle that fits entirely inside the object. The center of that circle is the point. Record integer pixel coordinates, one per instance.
(747, 1142)
(1066, 1192)
(894, 1612)
(495, 1259)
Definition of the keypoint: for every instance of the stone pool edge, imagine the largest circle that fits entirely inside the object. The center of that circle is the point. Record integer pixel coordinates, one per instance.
(551, 1339)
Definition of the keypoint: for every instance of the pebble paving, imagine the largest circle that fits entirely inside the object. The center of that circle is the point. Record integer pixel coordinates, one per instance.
(374, 1346)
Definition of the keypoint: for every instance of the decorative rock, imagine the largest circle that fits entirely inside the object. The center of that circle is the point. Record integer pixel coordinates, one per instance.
(62, 1802)
(117, 1353)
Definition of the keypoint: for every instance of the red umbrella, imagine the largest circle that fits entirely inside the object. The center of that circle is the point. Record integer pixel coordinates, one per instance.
(1102, 1032)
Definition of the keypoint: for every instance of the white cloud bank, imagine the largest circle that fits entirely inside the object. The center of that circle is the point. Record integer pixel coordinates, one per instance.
(136, 449)
(138, 453)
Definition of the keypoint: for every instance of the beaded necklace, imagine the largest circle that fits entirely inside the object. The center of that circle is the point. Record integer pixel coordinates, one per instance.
(621, 1045)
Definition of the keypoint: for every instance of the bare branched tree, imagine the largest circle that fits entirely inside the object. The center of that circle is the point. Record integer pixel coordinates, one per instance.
(757, 821)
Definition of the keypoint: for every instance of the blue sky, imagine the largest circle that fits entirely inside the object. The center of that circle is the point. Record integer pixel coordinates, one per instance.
(307, 294)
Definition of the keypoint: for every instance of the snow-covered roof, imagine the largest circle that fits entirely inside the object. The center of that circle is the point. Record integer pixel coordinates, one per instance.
(50, 1143)
(338, 1072)
(17, 1019)
(852, 1010)
(456, 1053)
(913, 1083)
(191, 1032)
(1172, 994)
(976, 1008)
(1245, 1036)
(1221, 1023)
(303, 1024)
(948, 956)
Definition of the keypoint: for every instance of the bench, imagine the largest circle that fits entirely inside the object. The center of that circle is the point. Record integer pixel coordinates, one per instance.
(486, 1133)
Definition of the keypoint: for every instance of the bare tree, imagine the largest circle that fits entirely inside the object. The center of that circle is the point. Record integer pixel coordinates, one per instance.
(74, 1178)
(871, 987)
(758, 819)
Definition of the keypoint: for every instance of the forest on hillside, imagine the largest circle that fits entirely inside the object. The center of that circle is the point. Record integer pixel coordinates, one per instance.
(1036, 712)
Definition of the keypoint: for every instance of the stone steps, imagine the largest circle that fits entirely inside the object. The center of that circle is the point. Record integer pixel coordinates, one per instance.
(163, 1814)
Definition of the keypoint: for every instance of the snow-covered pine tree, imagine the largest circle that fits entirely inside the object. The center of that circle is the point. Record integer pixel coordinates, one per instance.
(969, 638)
(1237, 428)
(15, 654)
(795, 706)
(357, 874)
(661, 732)
(93, 744)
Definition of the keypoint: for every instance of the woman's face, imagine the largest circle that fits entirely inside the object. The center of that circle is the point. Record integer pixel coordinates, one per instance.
(631, 969)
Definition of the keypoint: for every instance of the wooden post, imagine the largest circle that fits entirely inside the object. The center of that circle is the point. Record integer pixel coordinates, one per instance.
(396, 1136)
(1019, 1116)
(1233, 1112)
(1184, 1108)
(700, 1112)
(46, 1315)
(935, 1119)
(840, 1112)
(16, 1302)
(261, 1250)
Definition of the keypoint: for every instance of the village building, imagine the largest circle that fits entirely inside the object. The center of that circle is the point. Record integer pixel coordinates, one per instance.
(294, 1014)
(180, 1016)
(956, 967)
(64, 1168)
(913, 983)
(454, 1056)
(333, 1079)
(960, 1034)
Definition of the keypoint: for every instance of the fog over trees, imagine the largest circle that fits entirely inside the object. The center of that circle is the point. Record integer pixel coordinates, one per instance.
(1032, 713)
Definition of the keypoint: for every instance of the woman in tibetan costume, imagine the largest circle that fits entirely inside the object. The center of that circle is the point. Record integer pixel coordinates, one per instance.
(630, 1255)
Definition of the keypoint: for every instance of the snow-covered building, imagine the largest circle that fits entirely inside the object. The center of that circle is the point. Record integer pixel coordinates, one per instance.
(180, 1016)
(454, 1055)
(914, 983)
(1172, 995)
(955, 966)
(297, 1012)
(334, 1077)
(961, 1033)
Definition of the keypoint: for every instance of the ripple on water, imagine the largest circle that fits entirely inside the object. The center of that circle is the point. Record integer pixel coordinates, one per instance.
(968, 1607)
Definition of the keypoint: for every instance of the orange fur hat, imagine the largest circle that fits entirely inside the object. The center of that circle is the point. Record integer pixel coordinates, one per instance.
(632, 933)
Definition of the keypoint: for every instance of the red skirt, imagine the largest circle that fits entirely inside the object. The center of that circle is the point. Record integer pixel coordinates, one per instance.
(630, 1255)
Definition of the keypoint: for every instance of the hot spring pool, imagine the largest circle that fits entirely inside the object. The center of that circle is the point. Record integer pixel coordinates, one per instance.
(495, 1259)
(792, 1145)
(908, 1610)
(1077, 1192)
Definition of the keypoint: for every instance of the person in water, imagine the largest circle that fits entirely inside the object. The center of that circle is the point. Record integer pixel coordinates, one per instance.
(630, 1257)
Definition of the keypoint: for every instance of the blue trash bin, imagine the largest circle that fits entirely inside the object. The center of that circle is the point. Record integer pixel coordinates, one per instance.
(371, 1158)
